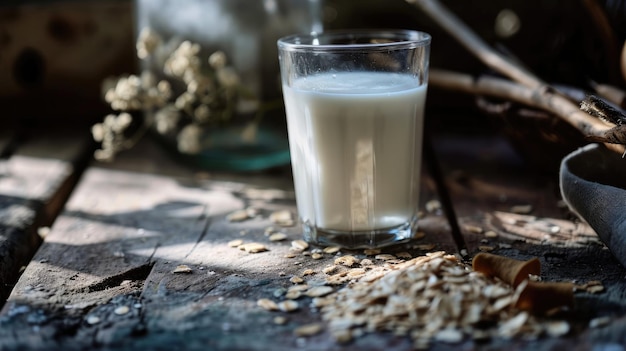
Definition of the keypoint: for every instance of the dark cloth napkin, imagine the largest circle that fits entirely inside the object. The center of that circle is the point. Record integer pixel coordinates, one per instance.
(593, 184)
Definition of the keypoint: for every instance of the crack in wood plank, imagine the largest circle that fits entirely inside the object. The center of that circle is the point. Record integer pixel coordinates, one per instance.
(136, 273)
(205, 229)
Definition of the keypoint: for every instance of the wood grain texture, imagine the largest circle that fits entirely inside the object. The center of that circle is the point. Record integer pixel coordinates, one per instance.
(35, 180)
(123, 232)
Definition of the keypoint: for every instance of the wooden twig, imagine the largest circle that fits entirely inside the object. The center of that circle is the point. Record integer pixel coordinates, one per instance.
(474, 44)
(531, 90)
(534, 97)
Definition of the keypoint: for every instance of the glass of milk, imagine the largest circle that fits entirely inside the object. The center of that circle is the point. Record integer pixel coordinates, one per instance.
(355, 113)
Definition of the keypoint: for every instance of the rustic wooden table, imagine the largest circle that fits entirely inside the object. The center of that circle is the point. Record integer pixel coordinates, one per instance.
(102, 276)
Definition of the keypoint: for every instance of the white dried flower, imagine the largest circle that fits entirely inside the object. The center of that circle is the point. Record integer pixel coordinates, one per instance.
(176, 66)
(227, 77)
(189, 139)
(108, 84)
(148, 79)
(180, 61)
(147, 42)
(185, 101)
(187, 48)
(202, 113)
(165, 88)
(103, 155)
(166, 119)
(109, 120)
(128, 88)
(121, 122)
(200, 86)
(183, 60)
(217, 60)
(164, 52)
(97, 131)
(110, 95)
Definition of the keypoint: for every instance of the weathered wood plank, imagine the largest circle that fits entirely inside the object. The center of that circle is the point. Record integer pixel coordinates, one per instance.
(36, 178)
(122, 227)
(487, 180)
(123, 233)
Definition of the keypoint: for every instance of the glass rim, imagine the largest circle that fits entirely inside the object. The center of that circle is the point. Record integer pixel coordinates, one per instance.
(398, 39)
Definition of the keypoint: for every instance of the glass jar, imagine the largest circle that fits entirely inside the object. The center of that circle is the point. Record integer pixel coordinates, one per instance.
(253, 136)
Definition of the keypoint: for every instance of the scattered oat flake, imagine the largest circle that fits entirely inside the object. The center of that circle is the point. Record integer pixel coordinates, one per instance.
(522, 209)
(356, 272)
(283, 218)
(491, 234)
(473, 229)
(43, 231)
(316, 256)
(235, 243)
(595, 289)
(299, 287)
(182, 268)
(556, 329)
(267, 304)
(291, 255)
(371, 252)
(512, 326)
(300, 245)
(346, 260)
(308, 272)
(238, 216)
(308, 330)
(319, 291)
(93, 320)
(449, 335)
(366, 262)
(485, 248)
(288, 306)
(331, 249)
(280, 320)
(121, 310)
(278, 237)
(433, 205)
(253, 247)
(296, 280)
(293, 295)
(599, 322)
(555, 229)
(449, 299)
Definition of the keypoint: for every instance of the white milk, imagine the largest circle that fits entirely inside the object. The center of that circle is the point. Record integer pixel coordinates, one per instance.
(355, 141)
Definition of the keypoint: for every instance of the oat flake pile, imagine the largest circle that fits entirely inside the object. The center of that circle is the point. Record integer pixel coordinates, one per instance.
(432, 297)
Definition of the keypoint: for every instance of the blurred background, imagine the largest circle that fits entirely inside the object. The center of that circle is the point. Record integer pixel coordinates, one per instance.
(55, 54)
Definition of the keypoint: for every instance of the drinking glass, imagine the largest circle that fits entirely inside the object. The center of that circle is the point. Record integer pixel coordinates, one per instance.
(355, 112)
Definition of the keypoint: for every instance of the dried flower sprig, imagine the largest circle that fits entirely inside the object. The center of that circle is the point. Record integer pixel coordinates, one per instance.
(178, 92)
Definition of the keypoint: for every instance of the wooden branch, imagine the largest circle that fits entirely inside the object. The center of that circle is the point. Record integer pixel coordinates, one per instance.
(531, 90)
(474, 44)
(534, 97)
